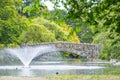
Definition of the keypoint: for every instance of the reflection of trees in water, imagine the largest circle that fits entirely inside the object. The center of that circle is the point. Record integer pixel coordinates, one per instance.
(60, 56)
(49, 56)
(110, 69)
(83, 71)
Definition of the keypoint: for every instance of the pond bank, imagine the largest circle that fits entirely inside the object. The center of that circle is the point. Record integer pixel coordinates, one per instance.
(20, 78)
(64, 77)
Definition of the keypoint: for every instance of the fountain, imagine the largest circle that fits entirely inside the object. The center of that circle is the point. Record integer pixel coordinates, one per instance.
(26, 54)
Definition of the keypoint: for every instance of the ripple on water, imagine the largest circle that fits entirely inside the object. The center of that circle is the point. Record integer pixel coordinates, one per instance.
(52, 67)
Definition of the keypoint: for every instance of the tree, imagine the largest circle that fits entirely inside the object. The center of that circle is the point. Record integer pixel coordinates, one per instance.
(32, 8)
(11, 23)
(102, 17)
(108, 24)
(41, 30)
(37, 34)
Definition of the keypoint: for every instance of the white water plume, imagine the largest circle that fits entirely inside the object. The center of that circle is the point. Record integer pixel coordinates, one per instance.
(26, 54)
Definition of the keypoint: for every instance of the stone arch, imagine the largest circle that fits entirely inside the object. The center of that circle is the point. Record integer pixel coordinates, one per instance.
(50, 52)
(83, 49)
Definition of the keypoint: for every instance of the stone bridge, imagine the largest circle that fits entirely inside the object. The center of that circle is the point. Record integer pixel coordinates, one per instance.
(82, 49)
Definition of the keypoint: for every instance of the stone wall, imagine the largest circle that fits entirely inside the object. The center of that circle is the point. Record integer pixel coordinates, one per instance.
(83, 49)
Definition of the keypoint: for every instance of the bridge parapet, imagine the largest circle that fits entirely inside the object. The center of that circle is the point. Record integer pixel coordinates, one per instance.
(83, 49)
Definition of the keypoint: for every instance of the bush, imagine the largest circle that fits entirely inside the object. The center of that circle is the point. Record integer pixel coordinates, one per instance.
(62, 32)
(37, 34)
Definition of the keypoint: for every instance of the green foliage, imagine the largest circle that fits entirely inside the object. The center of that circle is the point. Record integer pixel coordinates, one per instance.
(10, 31)
(93, 20)
(58, 15)
(83, 32)
(11, 23)
(102, 17)
(108, 26)
(111, 46)
(37, 34)
(115, 51)
(33, 8)
(16, 29)
(59, 31)
(84, 77)
(71, 34)
(2, 46)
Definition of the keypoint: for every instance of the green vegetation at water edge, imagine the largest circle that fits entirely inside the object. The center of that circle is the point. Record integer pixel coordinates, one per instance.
(84, 77)
(65, 77)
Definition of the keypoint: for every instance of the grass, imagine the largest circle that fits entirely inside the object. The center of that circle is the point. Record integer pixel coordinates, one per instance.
(84, 77)
(63, 77)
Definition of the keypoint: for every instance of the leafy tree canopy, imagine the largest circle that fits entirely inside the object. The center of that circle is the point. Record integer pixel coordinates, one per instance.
(16, 28)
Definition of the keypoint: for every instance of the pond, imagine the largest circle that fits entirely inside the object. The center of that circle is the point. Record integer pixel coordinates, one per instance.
(38, 68)
(54, 64)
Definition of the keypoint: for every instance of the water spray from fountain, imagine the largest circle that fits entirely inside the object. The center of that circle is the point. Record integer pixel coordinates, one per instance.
(28, 53)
